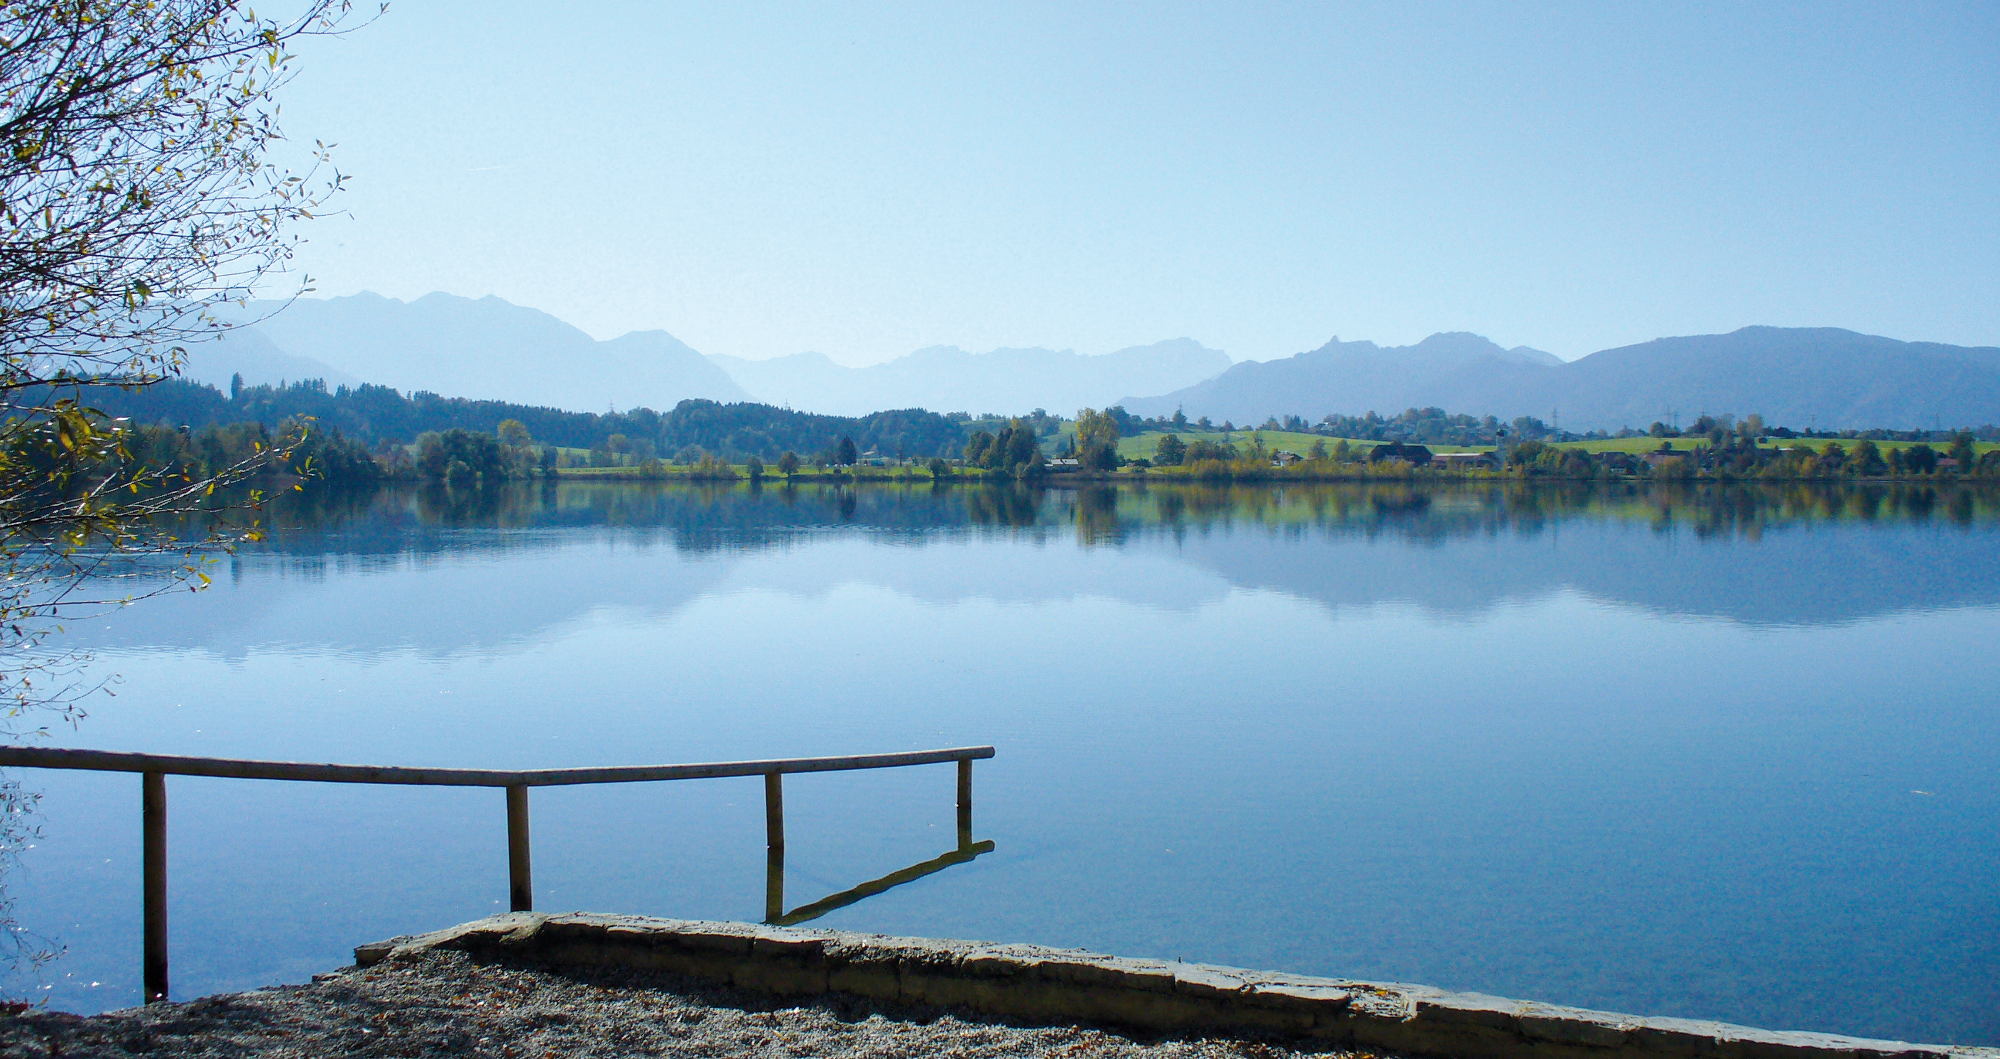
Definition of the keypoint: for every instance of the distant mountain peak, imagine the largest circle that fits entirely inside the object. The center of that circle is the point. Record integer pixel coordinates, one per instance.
(1335, 346)
(651, 337)
(1820, 334)
(485, 347)
(1461, 343)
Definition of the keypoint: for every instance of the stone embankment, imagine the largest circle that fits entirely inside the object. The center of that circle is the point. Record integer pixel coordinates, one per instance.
(439, 1004)
(1058, 986)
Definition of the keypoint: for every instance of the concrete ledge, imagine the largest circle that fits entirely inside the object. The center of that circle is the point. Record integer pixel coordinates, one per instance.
(1066, 985)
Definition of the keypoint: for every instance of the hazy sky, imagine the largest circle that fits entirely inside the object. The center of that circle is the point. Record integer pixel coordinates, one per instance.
(865, 180)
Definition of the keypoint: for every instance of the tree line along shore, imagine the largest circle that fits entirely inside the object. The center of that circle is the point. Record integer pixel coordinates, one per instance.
(376, 433)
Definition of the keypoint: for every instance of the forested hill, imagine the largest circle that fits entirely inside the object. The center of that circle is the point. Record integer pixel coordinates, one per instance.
(376, 415)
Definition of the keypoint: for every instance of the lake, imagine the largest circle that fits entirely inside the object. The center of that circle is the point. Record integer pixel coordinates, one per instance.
(1721, 752)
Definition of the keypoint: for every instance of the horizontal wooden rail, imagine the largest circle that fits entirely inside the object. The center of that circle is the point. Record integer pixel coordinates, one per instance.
(155, 768)
(235, 768)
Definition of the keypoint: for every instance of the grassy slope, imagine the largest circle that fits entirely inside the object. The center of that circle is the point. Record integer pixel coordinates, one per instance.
(1145, 445)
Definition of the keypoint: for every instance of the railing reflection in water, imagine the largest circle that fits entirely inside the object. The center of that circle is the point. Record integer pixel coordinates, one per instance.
(774, 863)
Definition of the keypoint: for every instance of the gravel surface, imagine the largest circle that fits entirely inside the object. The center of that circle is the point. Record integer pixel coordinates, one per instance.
(445, 1004)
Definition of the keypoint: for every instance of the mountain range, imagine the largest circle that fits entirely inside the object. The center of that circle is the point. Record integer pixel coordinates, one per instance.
(462, 347)
(489, 348)
(1796, 376)
(947, 378)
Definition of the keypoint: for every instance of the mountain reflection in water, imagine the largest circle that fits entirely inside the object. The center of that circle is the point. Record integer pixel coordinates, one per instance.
(1821, 556)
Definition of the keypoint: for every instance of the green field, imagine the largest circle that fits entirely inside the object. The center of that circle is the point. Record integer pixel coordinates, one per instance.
(1634, 445)
(1144, 446)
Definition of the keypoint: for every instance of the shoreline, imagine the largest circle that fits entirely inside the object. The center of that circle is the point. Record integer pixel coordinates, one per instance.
(1059, 479)
(449, 1004)
(522, 984)
(1072, 987)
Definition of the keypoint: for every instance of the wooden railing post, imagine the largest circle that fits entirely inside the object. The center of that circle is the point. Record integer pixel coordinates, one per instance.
(774, 884)
(153, 857)
(774, 810)
(964, 802)
(774, 845)
(520, 869)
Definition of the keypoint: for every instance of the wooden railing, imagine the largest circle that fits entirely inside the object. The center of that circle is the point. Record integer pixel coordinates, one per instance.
(155, 768)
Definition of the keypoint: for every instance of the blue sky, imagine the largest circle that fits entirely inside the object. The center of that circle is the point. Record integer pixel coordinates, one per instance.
(866, 180)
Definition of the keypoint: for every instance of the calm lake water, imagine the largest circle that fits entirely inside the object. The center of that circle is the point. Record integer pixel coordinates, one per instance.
(1731, 753)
